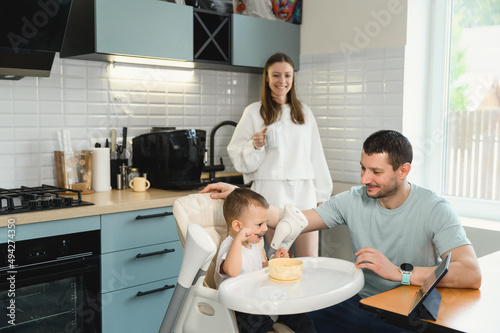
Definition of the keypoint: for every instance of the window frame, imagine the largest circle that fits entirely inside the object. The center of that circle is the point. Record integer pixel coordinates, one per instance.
(424, 122)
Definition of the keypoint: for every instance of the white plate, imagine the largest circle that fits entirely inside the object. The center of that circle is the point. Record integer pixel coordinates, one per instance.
(325, 282)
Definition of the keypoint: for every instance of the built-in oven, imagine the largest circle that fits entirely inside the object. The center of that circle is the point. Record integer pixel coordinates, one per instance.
(51, 284)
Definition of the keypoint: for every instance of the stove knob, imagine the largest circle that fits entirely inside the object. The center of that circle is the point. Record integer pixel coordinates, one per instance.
(57, 202)
(68, 201)
(33, 204)
(45, 203)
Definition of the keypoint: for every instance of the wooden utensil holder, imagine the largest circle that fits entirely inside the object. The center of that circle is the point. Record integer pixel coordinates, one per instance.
(74, 171)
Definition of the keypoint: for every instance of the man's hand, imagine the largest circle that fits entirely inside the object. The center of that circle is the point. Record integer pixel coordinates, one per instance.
(219, 190)
(378, 263)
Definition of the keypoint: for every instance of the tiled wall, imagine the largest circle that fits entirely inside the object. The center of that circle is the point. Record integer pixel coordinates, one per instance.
(350, 96)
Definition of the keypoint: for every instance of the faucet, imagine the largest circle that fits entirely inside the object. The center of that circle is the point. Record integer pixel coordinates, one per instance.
(213, 168)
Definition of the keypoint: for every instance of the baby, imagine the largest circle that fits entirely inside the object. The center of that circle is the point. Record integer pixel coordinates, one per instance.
(246, 214)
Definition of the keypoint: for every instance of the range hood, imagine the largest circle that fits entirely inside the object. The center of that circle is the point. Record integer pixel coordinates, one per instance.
(32, 31)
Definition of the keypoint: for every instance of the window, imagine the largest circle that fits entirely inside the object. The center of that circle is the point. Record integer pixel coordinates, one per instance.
(472, 153)
(451, 109)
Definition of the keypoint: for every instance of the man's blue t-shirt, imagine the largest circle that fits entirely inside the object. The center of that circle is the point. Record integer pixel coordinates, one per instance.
(417, 232)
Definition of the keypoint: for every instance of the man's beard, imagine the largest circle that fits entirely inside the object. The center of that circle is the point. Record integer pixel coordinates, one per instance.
(389, 190)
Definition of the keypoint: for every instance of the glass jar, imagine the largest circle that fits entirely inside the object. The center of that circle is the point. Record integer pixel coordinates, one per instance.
(132, 173)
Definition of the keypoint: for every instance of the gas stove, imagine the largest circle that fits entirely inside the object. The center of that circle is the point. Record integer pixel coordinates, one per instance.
(40, 198)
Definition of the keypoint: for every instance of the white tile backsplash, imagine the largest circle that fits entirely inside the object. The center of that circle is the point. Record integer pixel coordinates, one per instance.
(351, 98)
(364, 94)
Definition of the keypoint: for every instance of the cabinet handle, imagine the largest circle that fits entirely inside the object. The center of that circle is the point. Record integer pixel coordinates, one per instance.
(167, 286)
(142, 217)
(140, 255)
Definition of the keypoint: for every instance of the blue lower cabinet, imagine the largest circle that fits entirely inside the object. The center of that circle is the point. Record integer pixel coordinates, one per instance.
(137, 309)
(140, 260)
(137, 266)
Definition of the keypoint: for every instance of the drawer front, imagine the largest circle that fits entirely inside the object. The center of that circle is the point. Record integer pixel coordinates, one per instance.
(53, 228)
(137, 228)
(124, 269)
(125, 312)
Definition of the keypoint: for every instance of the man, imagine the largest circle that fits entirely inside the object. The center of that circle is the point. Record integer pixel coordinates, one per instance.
(391, 222)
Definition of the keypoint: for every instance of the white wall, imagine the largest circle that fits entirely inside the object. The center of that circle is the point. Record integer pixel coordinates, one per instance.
(340, 25)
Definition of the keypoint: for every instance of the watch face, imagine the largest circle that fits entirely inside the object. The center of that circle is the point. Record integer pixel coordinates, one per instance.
(407, 267)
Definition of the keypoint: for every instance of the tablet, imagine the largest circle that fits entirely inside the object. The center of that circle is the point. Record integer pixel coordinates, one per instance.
(428, 286)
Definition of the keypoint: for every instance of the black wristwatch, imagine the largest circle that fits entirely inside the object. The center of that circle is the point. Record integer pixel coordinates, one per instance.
(406, 269)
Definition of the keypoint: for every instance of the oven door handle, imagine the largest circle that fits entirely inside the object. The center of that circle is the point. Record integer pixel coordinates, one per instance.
(167, 286)
(142, 217)
(142, 255)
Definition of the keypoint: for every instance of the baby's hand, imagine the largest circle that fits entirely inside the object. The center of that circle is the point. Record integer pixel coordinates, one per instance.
(281, 253)
(244, 234)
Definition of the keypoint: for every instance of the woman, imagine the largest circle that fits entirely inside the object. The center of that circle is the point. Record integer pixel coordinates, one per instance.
(276, 145)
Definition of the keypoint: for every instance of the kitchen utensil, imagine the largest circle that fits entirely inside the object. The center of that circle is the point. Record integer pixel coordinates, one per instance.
(285, 269)
(139, 184)
(113, 155)
(132, 173)
(115, 169)
(123, 173)
(118, 181)
(124, 144)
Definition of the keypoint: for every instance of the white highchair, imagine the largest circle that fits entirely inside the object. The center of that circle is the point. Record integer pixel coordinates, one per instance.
(201, 310)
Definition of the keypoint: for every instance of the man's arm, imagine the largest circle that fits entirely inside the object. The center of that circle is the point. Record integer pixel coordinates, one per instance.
(464, 271)
(222, 190)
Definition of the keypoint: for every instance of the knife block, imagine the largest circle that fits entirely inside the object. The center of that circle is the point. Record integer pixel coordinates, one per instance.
(74, 171)
(115, 169)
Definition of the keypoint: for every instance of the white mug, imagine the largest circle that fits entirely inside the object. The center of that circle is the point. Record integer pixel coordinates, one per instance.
(139, 184)
(272, 138)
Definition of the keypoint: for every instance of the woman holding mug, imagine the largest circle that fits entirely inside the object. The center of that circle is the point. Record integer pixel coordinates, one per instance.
(276, 145)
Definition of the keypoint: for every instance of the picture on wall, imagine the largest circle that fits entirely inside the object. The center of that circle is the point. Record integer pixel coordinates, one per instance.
(282, 10)
(276, 10)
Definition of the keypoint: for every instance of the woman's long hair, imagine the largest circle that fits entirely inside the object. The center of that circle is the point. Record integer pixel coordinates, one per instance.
(270, 110)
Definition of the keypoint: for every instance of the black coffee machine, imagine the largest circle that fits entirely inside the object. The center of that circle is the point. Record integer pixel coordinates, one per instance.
(172, 159)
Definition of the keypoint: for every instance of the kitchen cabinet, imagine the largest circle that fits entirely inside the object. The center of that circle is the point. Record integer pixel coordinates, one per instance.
(148, 32)
(123, 30)
(212, 35)
(255, 39)
(246, 45)
(141, 258)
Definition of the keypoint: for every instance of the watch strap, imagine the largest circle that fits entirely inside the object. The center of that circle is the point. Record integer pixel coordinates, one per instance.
(406, 278)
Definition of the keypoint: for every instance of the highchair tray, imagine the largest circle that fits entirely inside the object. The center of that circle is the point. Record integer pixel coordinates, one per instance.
(324, 282)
